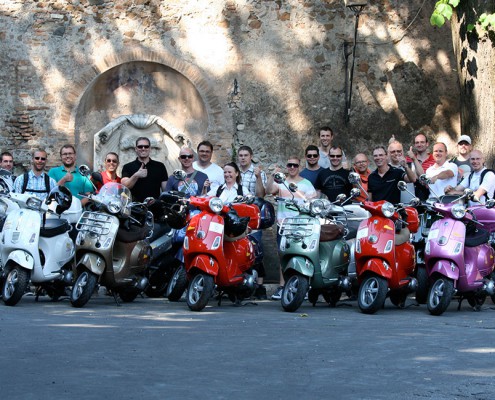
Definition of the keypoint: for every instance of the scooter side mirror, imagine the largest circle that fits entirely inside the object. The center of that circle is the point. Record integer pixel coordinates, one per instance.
(84, 170)
(402, 186)
(340, 198)
(279, 177)
(423, 179)
(355, 192)
(354, 178)
(490, 203)
(415, 202)
(293, 187)
(149, 201)
(179, 174)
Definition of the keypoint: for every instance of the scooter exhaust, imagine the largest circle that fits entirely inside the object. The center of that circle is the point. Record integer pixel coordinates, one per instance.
(489, 286)
(141, 283)
(412, 286)
(251, 279)
(345, 282)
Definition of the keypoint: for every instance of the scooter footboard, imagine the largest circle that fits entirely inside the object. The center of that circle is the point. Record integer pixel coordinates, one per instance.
(446, 268)
(377, 266)
(300, 264)
(92, 262)
(204, 263)
(22, 258)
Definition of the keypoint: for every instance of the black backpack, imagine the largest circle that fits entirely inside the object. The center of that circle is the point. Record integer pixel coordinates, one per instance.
(26, 178)
(481, 178)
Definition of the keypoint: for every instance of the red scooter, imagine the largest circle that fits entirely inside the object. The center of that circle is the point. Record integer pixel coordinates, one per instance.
(218, 252)
(385, 257)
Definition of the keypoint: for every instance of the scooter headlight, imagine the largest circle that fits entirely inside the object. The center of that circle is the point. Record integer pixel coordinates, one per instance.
(216, 205)
(319, 206)
(458, 211)
(34, 203)
(388, 209)
(114, 207)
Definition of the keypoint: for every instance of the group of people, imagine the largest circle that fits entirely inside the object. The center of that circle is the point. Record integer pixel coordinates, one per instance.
(324, 172)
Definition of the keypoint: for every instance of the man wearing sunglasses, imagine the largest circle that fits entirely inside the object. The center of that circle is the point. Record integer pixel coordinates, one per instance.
(334, 180)
(36, 181)
(143, 176)
(68, 174)
(196, 183)
(312, 167)
(305, 190)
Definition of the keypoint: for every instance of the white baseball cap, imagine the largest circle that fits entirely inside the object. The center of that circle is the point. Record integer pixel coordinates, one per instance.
(464, 138)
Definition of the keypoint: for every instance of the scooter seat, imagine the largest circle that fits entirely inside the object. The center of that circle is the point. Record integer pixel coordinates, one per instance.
(477, 238)
(159, 229)
(54, 227)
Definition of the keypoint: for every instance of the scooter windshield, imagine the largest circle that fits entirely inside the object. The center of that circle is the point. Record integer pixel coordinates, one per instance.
(115, 196)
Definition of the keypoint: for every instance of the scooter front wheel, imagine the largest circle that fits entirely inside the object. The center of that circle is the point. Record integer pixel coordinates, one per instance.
(200, 291)
(440, 295)
(83, 288)
(372, 294)
(15, 285)
(294, 291)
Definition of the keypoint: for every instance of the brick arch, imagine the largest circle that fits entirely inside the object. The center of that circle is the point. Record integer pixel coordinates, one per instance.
(218, 121)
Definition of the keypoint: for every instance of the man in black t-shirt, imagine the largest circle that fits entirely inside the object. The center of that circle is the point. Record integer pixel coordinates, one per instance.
(382, 182)
(334, 180)
(143, 176)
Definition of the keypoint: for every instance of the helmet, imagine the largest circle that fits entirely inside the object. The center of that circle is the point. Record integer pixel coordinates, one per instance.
(235, 225)
(62, 196)
(267, 213)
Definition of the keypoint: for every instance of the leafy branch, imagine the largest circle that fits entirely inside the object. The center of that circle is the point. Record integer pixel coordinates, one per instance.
(444, 9)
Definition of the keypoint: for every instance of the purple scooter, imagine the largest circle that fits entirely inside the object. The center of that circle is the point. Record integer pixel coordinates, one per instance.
(458, 257)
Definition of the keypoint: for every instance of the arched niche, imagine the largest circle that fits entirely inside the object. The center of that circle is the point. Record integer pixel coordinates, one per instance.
(147, 89)
(120, 137)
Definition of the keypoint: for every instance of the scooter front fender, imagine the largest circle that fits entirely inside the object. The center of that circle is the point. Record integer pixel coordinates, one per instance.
(446, 268)
(204, 263)
(378, 266)
(22, 258)
(92, 262)
(300, 264)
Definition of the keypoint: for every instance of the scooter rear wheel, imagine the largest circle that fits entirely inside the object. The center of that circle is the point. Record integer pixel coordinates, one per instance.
(177, 285)
(372, 294)
(440, 295)
(422, 278)
(294, 291)
(83, 288)
(15, 285)
(200, 291)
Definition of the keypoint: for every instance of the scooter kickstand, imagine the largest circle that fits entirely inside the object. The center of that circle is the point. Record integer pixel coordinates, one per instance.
(115, 297)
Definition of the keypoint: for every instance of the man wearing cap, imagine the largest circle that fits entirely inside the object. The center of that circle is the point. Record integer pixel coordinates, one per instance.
(462, 159)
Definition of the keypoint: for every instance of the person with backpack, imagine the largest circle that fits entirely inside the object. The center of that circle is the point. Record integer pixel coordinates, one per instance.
(481, 179)
(36, 181)
(232, 186)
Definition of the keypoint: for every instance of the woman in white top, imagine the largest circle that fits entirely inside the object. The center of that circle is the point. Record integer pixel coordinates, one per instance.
(232, 186)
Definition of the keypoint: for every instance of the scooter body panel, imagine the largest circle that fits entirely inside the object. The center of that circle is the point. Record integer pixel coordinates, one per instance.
(445, 268)
(239, 258)
(57, 251)
(22, 258)
(92, 262)
(478, 265)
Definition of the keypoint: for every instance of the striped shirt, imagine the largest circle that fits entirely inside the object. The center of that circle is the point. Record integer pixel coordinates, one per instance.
(34, 183)
(248, 180)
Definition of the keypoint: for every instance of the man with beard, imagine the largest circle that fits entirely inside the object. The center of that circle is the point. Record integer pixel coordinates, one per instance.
(312, 167)
(382, 182)
(68, 174)
(36, 181)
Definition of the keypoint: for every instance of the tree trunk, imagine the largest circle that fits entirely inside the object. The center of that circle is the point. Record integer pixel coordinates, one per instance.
(475, 57)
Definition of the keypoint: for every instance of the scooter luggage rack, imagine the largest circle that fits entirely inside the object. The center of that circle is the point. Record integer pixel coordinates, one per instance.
(93, 222)
(297, 226)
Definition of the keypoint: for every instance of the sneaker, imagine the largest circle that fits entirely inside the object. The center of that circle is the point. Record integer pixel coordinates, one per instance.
(260, 293)
(278, 294)
(306, 296)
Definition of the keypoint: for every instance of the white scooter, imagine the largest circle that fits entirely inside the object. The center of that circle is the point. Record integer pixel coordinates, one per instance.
(36, 248)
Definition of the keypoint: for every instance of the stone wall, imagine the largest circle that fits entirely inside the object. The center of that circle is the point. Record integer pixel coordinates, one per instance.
(262, 73)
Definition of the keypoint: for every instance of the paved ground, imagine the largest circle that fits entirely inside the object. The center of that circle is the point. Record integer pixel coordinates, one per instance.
(154, 349)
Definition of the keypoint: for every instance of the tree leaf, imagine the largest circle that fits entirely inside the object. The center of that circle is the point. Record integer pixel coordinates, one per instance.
(445, 10)
(454, 3)
(470, 27)
(437, 20)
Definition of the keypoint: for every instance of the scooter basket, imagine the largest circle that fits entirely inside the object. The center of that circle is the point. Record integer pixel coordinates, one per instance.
(331, 232)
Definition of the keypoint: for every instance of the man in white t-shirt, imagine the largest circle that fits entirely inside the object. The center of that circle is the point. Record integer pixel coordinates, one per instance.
(482, 183)
(442, 173)
(204, 164)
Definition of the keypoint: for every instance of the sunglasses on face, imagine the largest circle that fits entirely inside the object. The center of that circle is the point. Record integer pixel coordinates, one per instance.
(292, 165)
(40, 158)
(360, 162)
(311, 155)
(143, 146)
(335, 156)
(111, 161)
(184, 156)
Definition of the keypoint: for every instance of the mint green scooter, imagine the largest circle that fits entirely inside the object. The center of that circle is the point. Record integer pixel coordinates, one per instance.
(313, 251)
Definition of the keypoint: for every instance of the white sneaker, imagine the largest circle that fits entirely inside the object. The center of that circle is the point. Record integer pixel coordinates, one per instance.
(278, 294)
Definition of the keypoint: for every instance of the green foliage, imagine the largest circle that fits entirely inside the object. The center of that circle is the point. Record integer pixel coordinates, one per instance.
(444, 9)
